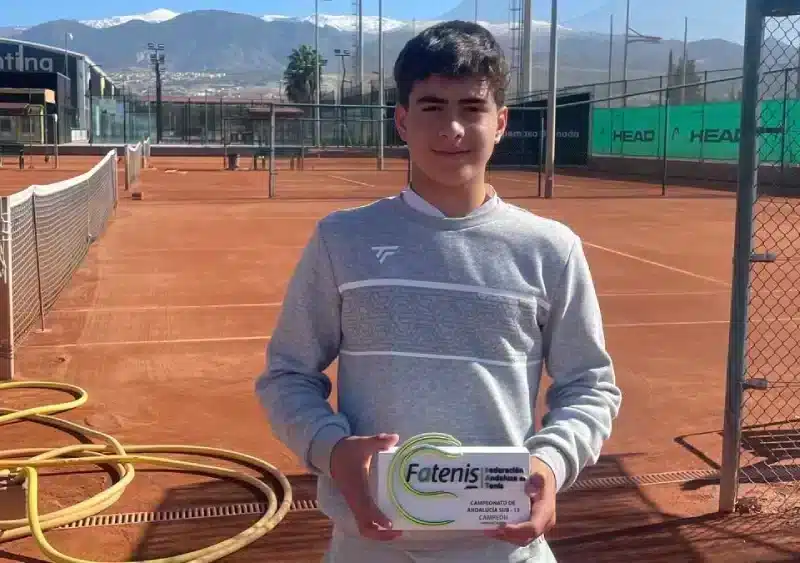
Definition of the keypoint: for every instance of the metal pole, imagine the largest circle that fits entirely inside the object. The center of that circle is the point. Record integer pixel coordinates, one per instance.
(783, 120)
(745, 200)
(610, 58)
(476, 11)
(361, 49)
(55, 138)
(625, 53)
(685, 57)
(318, 75)
(381, 88)
(527, 50)
(542, 134)
(665, 137)
(551, 103)
(272, 151)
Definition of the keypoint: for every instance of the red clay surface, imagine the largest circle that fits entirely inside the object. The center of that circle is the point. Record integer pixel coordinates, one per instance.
(37, 171)
(166, 323)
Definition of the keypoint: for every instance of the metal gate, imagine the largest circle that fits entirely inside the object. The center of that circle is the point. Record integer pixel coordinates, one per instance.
(762, 413)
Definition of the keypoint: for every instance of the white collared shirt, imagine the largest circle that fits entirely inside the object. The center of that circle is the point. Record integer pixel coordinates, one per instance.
(417, 202)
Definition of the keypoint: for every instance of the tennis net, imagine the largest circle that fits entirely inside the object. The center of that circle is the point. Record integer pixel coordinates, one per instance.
(45, 233)
(136, 158)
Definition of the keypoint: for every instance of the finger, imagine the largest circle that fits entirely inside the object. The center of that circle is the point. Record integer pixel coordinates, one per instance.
(372, 531)
(364, 508)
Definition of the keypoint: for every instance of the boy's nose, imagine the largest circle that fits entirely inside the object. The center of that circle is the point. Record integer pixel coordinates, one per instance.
(452, 130)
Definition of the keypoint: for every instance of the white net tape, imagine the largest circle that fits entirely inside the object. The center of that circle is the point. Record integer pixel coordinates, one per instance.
(134, 155)
(146, 153)
(47, 231)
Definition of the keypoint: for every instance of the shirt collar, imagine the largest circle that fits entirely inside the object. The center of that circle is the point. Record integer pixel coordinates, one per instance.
(418, 203)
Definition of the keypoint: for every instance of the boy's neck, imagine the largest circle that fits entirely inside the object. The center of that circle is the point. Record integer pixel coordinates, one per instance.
(452, 201)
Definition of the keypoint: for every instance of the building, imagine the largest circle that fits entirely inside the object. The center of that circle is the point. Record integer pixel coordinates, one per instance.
(24, 64)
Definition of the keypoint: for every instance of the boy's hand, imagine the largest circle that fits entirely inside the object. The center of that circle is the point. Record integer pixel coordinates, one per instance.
(350, 460)
(541, 487)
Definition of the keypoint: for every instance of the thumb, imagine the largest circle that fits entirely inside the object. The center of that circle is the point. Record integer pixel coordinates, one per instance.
(380, 442)
(368, 508)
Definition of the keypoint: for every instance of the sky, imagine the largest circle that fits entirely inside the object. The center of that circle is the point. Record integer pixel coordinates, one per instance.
(707, 18)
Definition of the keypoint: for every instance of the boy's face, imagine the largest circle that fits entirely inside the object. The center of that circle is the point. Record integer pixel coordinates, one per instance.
(451, 126)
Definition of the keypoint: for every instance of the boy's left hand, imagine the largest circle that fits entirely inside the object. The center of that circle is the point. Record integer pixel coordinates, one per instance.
(541, 488)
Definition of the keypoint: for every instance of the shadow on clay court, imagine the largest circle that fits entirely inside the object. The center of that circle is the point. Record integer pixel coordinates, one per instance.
(604, 525)
(300, 537)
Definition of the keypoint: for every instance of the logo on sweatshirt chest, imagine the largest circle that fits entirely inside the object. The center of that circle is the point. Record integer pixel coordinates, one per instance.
(384, 252)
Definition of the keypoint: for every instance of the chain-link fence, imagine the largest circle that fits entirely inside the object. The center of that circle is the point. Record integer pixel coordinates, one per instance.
(29, 137)
(762, 417)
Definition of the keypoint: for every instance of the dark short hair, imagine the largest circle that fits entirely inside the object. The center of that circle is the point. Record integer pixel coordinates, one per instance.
(453, 49)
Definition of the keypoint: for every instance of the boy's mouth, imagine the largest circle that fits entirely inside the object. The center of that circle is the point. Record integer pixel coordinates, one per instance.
(450, 152)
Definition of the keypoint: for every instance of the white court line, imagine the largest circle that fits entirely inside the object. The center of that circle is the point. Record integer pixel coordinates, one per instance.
(660, 293)
(74, 310)
(517, 180)
(143, 342)
(265, 338)
(657, 264)
(144, 250)
(696, 323)
(351, 181)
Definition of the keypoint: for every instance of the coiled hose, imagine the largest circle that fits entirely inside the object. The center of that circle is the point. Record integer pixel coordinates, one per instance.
(21, 466)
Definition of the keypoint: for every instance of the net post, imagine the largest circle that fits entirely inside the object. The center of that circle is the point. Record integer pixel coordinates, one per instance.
(6, 302)
(38, 256)
(272, 151)
(55, 138)
(745, 201)
(127, 167)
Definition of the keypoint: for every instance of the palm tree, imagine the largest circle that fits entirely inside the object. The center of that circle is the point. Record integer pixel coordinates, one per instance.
(300, 78)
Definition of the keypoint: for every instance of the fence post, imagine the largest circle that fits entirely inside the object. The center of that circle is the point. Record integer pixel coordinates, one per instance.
(272, 150)
(6, 292)
(665, 138)
(745, 200)
(784, 109)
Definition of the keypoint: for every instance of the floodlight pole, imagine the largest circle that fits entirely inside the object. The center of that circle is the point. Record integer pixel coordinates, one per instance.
(551, 104)
(381, 88)
(317, 76)
(637, 38)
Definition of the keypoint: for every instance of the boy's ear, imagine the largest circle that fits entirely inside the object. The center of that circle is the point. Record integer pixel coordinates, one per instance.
(502, 123)
(400, 115)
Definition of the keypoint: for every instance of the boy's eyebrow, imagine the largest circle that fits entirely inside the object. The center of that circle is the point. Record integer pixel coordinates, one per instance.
(430, 99)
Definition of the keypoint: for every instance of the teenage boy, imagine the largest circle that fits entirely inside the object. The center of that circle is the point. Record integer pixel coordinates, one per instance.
(442, 305)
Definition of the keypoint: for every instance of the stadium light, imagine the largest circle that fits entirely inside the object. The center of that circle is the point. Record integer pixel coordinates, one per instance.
(318, 74)
(157, 59)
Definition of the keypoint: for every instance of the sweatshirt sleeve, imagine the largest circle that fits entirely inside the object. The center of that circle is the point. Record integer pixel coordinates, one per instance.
(292, 389)
(583, 398)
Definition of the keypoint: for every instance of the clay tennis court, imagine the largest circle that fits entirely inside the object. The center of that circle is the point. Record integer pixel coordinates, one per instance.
(166, 323)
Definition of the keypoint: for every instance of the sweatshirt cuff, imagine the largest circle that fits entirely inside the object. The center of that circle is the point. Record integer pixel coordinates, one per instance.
(319, 452)
(554, 459)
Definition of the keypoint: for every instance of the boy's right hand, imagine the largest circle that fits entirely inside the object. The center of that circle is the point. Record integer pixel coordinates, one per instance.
(350, 461)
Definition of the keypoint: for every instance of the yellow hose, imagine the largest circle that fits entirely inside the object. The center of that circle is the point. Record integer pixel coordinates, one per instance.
(22, 465)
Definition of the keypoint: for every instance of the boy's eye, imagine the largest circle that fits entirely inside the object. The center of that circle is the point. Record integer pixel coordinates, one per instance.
(431, 108)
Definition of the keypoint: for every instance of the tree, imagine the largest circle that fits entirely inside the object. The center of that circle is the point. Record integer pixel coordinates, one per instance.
(692, 94)
(299, 76)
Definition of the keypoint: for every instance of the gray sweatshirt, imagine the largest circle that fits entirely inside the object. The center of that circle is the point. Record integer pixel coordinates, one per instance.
(440, 325)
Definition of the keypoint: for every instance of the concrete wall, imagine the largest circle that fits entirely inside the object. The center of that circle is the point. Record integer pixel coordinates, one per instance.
(718, 175)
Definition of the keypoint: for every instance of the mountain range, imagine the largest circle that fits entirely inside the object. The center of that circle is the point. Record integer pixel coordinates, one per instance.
(229, 42)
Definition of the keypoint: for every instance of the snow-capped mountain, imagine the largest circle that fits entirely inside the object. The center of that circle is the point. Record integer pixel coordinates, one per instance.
(156, 16)
(343, 22)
